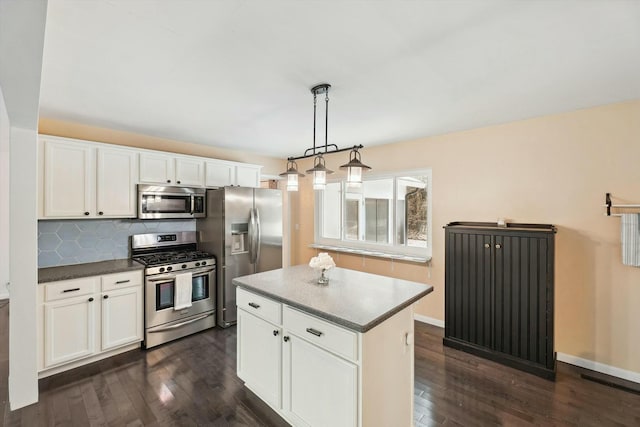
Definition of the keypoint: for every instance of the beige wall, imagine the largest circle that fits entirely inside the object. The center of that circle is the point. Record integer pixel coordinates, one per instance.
(553, 169)
(271, 165)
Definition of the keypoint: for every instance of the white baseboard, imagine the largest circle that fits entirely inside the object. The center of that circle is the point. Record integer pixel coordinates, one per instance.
(428, 320)
(599, 367)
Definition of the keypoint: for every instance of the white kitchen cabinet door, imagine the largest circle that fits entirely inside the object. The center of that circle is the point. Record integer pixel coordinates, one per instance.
(116, 183)
(69, 330)
(220, 174)
(121, 317)
(248, 175)
(190, 171)
(259, 357)
(319, 388)
(69, 174)
(157, 168)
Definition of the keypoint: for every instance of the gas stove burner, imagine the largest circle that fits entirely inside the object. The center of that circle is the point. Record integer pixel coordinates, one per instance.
(172, 257)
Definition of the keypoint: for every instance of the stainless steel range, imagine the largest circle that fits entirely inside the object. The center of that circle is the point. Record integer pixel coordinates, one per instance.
(172, 262)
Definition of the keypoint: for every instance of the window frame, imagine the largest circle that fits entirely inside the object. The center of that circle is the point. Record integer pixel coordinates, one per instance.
(392, 248)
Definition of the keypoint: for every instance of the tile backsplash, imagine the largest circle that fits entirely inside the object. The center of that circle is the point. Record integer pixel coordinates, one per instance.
(64, 242)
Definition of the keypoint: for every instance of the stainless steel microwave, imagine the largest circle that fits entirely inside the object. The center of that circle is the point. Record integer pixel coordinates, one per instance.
(160, 202)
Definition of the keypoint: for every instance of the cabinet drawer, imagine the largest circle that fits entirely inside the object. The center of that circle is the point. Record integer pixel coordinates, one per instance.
(325, 334)
(265, 308)
(70, 288)
(121, 280)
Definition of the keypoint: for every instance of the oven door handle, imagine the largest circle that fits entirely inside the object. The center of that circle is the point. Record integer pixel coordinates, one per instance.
(172, 276)
(163, 278)
(178, 325)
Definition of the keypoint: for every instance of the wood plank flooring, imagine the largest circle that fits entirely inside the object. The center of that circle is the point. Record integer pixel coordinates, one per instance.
(192, 382)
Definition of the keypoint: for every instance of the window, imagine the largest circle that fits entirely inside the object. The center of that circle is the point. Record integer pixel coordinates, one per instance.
(386, 214)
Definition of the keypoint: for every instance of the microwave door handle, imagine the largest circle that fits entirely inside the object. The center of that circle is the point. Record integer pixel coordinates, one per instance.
(193, 203)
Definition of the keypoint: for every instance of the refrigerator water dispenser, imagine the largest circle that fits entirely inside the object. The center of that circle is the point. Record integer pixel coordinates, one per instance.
(239, 234)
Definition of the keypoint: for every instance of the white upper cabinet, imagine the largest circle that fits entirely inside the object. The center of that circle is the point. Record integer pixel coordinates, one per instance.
(157, 168)
(221, 173)
(248, 175)
(170, 169)
(190, 171)
(86, 180)
(116, 182)
(69, 176)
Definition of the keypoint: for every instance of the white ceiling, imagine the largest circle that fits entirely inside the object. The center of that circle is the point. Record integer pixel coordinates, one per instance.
(237, 74)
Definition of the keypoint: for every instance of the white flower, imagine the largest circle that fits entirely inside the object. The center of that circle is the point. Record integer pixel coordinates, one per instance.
(322, 261)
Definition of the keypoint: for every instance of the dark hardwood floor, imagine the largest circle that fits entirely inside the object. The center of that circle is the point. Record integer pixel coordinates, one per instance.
(192, 381)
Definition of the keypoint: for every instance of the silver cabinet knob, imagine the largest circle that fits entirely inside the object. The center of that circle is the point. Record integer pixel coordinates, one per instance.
(486, 245)
(498, 245)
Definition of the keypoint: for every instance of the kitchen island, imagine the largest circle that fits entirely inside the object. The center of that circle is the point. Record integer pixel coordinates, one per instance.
(339, 354)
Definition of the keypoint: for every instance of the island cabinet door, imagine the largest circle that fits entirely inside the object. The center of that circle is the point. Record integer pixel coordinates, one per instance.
(319, 388)
(260, 356)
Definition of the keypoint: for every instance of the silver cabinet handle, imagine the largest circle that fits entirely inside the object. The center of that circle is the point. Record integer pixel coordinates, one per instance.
(486, 245)
(254, 305)
(498, 246)
(314, 332)
(120, 282)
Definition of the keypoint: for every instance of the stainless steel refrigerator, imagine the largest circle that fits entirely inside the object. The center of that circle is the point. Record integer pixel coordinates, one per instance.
(243, 229)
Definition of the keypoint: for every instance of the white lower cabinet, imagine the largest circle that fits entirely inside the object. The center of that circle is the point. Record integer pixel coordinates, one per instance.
(121, 317)
(83, 320)
(319, 388)
(316, 373)
(259, 337)
(69, 329)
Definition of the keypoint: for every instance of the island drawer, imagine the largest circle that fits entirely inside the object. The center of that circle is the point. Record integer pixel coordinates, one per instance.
(70, 288)
(263, 307)
(121, 280)
(322, 333)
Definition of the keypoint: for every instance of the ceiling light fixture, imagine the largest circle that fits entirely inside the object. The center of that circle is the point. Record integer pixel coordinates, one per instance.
(319, 169)
(292, 175)
(354, 168)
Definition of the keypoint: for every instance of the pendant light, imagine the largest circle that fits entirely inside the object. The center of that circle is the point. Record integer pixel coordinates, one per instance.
(319, 170)
(354, 168)
(320, 173)
(292, 175)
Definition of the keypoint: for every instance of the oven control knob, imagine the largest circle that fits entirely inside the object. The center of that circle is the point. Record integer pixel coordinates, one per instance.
(169, 268)
(184, 265)
(161, 269)
(197, 264)
(203, 263)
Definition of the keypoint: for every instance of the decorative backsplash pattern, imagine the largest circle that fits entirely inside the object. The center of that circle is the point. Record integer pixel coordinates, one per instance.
(64, 242)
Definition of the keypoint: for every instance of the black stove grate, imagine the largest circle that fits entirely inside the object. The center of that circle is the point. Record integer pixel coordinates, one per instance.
(173, 257)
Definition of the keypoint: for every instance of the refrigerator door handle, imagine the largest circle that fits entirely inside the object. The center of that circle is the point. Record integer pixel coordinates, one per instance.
(258, 236)
(252, 236)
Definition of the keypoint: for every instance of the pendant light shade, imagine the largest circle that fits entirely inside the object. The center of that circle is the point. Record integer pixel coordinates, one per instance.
(319, 172)
(292, 175)
(354, 168)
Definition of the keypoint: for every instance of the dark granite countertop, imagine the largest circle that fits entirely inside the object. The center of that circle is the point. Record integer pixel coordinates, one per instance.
(356, 300)
(76, 271)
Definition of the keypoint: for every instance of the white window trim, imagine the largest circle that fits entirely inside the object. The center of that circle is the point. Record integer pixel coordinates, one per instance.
(382, 250)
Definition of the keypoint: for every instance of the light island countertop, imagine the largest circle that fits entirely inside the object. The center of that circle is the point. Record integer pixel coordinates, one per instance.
(356, 300)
